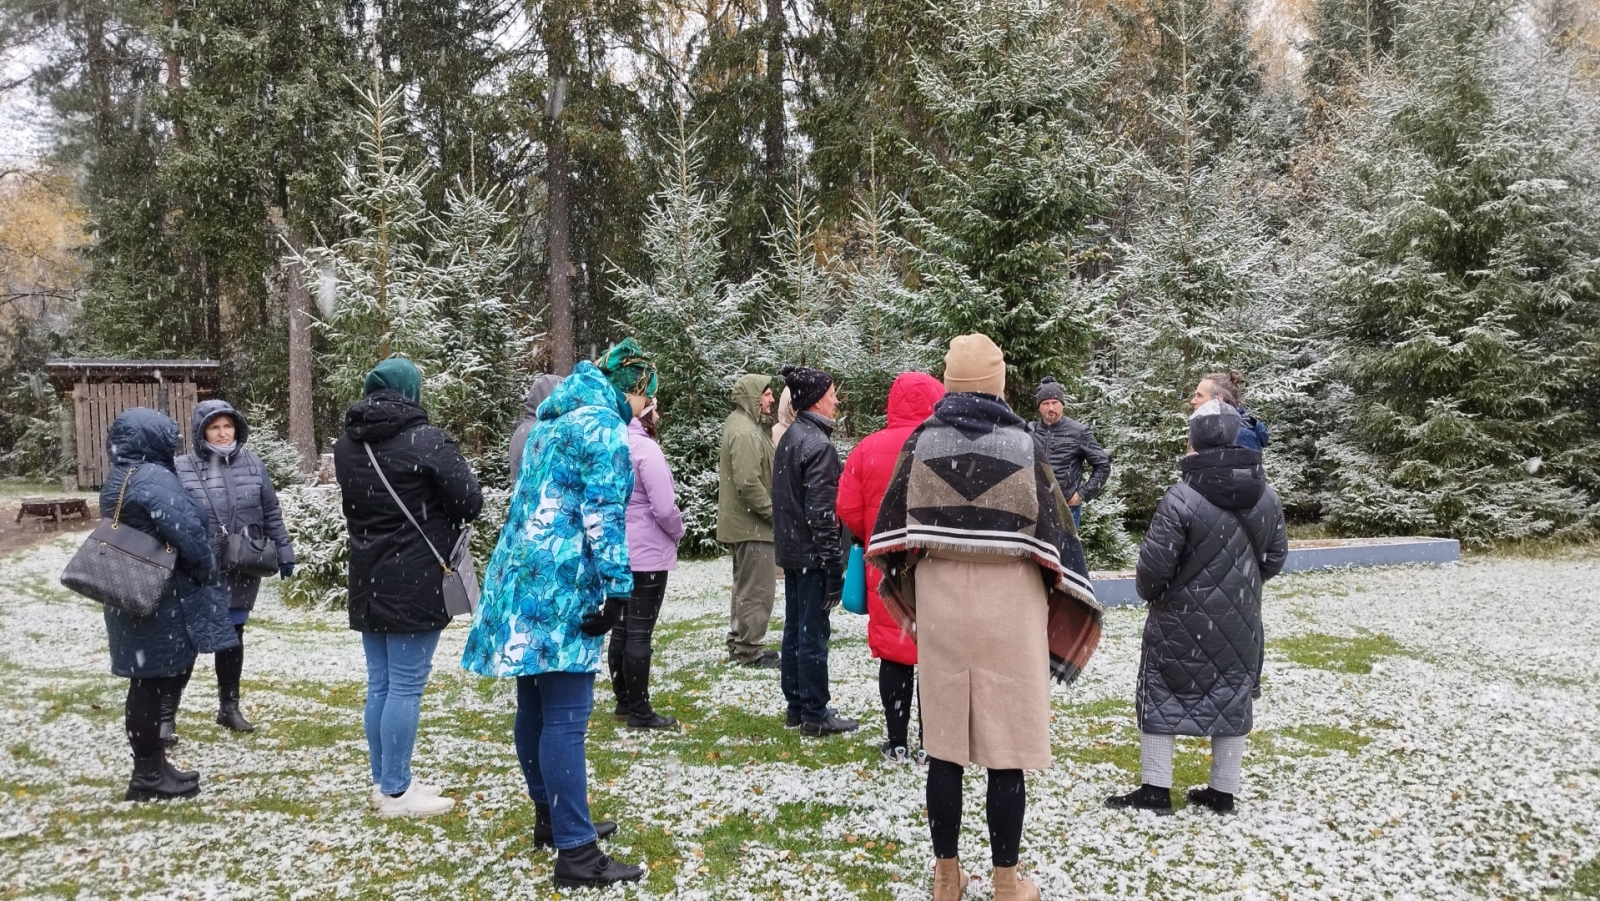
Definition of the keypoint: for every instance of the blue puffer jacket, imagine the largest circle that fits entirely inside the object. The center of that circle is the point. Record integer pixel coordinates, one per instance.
(194, 617)
(1253, 434)
(564, 548)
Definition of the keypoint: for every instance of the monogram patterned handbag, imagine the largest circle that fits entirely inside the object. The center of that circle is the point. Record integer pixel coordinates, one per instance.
(120, 566)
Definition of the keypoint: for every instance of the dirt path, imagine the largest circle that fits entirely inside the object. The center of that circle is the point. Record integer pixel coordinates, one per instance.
(19, 536)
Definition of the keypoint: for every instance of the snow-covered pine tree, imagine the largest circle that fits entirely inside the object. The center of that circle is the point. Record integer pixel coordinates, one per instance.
(693, 323)
(1469, 287)
(802, 317)
(990, 238)
(1193, 290)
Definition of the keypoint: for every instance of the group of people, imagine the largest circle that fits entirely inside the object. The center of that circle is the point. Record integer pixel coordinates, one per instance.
(978, 593)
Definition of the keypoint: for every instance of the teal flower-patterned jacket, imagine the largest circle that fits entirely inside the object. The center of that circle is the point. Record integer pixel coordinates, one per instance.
(564, 548)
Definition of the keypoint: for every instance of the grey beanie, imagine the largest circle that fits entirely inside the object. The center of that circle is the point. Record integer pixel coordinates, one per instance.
(1215, 424)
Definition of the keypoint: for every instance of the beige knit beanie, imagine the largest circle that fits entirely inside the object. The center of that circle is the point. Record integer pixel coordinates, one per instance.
(975, 363)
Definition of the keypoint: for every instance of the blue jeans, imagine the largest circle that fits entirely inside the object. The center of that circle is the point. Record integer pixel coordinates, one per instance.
(804, 665)
(1077, 516)
(552, 720)
(398, 664)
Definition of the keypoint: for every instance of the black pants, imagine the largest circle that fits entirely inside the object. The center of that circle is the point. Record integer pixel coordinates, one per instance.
(1007, 803)
(628, 655)
(230, 668)
(142, 714)
(897, 687)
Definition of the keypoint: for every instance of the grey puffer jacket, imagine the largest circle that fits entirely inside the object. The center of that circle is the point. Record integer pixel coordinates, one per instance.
(235, 493)
(1216, 537)
(537, 392)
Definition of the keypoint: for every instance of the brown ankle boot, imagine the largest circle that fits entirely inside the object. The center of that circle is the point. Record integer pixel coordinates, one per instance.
(1009, 886)
(949, 880)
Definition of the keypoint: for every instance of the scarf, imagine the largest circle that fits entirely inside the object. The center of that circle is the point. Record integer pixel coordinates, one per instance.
(971, 479)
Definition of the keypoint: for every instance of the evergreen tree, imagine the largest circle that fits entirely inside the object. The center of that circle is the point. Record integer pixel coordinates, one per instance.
(1469, 288)
(990, 242)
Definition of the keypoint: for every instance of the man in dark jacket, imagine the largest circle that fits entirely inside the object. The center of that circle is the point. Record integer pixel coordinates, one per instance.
(1070, 447)
(396, 590)
(1216, 537)
(809, 546)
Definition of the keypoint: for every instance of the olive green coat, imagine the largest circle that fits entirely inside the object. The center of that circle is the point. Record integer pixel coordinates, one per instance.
(744, 468)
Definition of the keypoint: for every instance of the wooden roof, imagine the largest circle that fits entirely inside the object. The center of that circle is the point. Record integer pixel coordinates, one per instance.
(66, 373)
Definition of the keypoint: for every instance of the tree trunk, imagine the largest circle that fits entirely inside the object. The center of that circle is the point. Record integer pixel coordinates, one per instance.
(298, 297)
(775, 124)
(558, 45)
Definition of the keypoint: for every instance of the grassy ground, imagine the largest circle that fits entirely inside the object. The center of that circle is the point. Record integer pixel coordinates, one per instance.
(1413, 742)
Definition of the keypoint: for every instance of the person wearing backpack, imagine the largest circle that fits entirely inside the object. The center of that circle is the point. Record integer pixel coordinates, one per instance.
(396, 591)
(230, 485)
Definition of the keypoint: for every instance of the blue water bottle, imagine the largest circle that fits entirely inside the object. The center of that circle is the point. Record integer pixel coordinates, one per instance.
(855, 582)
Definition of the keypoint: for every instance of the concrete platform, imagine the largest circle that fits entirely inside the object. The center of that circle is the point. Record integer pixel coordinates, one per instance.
(1115, 589)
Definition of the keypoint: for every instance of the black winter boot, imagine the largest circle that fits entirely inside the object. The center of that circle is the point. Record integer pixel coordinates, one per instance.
(1220, 802)
(180, 775)
(544, 834)
(153, 781)
(587, 866)
(228, 714)
(619, 676)
(1145, 797)
(640, 714)
(169, 721)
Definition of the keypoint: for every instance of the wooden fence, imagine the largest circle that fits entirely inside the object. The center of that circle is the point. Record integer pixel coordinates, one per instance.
(96, 406)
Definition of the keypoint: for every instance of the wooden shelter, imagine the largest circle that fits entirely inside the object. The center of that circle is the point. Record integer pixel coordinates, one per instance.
(102, 389)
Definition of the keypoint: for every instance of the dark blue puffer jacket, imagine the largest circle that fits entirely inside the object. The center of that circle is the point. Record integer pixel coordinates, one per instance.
(193, 618)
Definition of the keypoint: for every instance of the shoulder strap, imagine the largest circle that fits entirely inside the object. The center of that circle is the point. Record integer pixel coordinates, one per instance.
(200, 477)
(1247, 536)
(403, 509)
(122, 493)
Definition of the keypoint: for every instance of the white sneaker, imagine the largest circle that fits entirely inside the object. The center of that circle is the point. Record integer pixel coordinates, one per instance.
(417, 785)
(414, 804)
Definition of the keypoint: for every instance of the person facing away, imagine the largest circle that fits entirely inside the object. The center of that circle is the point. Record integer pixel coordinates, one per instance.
(231, 486)
(537, 392)
(744, 518)
(866, 476)
(655, 526)
(1079, 462)
(785, 417)
(982, 569)
(1229, 388)
(808, 545)
(396, 591)
(156, 653)
(1216, 537)
(558, 581)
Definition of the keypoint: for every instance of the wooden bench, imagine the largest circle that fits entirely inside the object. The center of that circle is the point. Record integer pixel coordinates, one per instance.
(54, 507)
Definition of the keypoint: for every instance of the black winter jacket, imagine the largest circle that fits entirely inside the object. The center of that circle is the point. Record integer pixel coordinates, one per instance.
(194, 617)
(394, 577)
(805, 488)
(1070, 446)
(1216, 537)
(235, 494)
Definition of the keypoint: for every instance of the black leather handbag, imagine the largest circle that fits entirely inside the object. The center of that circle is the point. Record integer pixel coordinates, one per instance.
(120, 566)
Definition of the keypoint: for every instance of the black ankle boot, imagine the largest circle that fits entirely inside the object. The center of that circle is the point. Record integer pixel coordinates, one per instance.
(586, 866)
(640, 714)
(180, 775)
(228, 715)
(1145, 797)
(168, 727)
(153, 781)
(1221, 802)
(544, 834)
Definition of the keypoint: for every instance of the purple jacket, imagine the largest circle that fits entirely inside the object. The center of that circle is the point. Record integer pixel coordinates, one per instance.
(654, 524)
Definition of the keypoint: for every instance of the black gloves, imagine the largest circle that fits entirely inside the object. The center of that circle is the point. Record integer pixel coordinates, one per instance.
(603, 619)
(833, 588)
(285, 570)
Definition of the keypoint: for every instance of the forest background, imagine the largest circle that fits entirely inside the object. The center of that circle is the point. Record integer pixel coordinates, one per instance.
(1383, 212)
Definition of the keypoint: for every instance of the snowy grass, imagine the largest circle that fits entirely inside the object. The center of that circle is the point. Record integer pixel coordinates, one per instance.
(1425, 733)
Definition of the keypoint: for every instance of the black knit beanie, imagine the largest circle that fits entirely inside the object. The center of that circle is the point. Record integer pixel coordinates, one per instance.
(806, 386)
(1049, 389)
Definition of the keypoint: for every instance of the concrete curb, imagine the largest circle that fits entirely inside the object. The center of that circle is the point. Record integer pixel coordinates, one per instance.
(1116, 589)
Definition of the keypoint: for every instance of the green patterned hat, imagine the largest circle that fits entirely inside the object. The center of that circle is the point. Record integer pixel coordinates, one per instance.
(628, 369)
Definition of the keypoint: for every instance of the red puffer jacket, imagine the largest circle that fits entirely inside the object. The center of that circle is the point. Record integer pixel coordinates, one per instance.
(866, 477)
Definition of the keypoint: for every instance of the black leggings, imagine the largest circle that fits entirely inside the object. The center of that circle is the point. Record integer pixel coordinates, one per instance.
(142, 715)
(1007, 803)
(628, 655)
(230, 667)
(897, 688)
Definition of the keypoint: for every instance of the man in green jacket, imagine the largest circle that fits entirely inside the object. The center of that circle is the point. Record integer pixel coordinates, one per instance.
(744, 518)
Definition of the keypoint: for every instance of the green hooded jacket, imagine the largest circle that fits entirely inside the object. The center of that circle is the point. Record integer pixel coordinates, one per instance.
(744, 468)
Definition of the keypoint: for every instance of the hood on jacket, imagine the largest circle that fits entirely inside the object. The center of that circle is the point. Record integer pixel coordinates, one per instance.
(143, 435)
(1230, 477)
(587, 386)
(382, 415)
(538, 391)
(747, 393)
(974, 413)
(207, 410)
(786, 413)
(912, 398)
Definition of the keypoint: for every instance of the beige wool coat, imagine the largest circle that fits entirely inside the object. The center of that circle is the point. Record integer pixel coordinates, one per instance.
(983, 660)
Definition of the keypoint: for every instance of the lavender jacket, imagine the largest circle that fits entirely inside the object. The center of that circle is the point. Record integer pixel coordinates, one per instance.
(654, 524)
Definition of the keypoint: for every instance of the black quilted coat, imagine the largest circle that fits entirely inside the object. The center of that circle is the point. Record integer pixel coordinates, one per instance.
(395, 581)
(1217, 536)
(233, 492)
